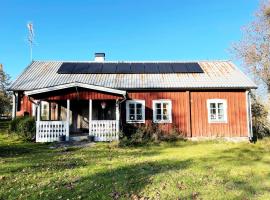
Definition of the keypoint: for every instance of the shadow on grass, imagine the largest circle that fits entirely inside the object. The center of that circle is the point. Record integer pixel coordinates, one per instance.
(13, 150)
(119, 182)
(241, 156)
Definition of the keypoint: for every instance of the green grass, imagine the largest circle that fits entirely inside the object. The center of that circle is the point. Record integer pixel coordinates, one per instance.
(185, 170)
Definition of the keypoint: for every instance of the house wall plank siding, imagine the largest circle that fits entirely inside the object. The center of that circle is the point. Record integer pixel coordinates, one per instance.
(189, 108)
(179, 105)
(25, 106)
(236, 125)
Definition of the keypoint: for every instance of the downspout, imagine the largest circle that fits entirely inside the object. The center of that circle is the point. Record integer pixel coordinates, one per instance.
(78, 95)
(249, 115)
(120, 102)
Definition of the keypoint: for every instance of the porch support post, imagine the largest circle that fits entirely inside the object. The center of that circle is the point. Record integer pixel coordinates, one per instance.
(117, 117)
(50, 110)
(14, 105)
(68, 120)
(38, 111)
(90, 116)
(38, 137)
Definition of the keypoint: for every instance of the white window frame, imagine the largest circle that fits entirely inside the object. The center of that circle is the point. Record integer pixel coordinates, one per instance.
(217, 101)
(43, 110)
(135, 110)
(161, 101)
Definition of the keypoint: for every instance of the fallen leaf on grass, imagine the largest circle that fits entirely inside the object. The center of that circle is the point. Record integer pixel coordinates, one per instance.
(194, 195)
(115, 195)
(181, 186)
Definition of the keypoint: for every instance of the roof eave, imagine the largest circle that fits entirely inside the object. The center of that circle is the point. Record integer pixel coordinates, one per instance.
(75, 84)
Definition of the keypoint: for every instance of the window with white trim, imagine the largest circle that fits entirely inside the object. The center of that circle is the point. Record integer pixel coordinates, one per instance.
(45, 107)
(217, 110)
(135, 111)
(162, 111)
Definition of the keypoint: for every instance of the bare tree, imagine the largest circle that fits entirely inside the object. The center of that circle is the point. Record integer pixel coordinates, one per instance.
(254, 47)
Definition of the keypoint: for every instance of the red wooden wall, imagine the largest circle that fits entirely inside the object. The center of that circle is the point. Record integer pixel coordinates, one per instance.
(25, 105)
(179, 107)
(236, 113)
(189, 109)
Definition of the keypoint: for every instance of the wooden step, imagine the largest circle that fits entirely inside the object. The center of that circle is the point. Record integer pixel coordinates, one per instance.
(79, 138)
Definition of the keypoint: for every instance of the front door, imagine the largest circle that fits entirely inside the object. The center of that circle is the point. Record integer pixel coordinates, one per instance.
(80, 116)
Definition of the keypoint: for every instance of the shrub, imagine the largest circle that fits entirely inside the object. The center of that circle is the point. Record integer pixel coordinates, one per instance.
(13, 125)
(174, 135)
(141, 135)
(24, 127)
(260, 124)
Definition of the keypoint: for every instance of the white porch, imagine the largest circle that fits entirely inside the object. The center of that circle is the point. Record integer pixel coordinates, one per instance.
(101, 130)
(94, 118)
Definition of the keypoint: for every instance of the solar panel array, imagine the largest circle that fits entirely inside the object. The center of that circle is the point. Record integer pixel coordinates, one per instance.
(128, 68)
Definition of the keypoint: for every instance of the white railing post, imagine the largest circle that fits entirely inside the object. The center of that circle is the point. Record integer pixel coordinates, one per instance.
(68, 120)
(90, 117)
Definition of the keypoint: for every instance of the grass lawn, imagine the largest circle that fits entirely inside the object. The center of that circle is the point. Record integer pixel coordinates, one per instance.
(185, 170)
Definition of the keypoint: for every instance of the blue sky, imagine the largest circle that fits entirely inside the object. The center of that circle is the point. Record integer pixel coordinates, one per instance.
(123, 29)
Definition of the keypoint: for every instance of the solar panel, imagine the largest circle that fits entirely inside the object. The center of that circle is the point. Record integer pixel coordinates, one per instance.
(123, 68)
(165, 68)
(179, 68)
(109, 68)
(66, 68)
(194, 68)
(80, 68)
(137, 68)
(94, 68)
(128, 68)
(151, 68)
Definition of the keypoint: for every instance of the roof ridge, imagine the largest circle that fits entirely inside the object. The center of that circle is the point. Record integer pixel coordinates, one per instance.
(134, 61)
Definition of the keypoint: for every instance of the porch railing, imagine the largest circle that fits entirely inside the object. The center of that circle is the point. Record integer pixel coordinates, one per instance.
(104, 130)
(50, 131)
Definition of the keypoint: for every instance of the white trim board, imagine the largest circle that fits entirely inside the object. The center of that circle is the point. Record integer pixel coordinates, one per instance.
(75, 84)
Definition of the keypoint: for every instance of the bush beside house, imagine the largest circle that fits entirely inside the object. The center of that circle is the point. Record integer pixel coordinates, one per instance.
(260, 121)
(145, 134)
(25, 127)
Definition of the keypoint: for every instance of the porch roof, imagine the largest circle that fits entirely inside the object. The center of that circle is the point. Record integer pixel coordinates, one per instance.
(75, 84)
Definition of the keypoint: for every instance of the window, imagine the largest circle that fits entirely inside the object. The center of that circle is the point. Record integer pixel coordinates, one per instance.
(162, 111)
(45, 107)
(217, 110)
(135, 111)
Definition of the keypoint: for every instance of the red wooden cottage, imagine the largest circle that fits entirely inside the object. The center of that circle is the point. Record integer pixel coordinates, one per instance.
(202, 99)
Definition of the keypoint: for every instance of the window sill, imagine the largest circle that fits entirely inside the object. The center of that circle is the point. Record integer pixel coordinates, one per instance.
(135, 122)
(217, 122)
(163, 122)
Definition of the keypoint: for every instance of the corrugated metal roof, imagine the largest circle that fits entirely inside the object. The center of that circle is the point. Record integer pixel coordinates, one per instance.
(217, 74)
